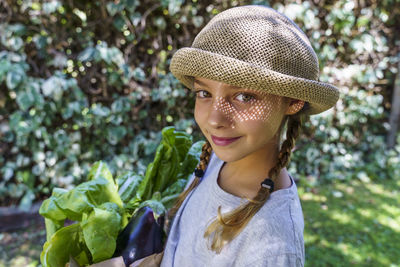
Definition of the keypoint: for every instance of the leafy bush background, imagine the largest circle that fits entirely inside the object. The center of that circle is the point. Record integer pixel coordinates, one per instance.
(83, 81)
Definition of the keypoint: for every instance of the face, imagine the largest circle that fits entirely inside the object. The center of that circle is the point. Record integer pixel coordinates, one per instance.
(251, 116)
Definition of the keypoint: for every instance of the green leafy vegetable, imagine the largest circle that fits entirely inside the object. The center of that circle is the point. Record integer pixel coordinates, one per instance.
(102, 242)
(98, 210)
(128, 184)
(101, 206)
(65, 242)
(163, 171)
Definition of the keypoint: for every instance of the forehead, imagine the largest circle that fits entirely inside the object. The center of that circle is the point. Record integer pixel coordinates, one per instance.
(217, 85)
(212, 84)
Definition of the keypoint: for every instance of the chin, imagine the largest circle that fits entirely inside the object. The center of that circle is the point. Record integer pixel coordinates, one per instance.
(226, 156)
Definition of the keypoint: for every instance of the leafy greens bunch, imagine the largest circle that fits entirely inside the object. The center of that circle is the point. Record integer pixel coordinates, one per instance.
(102, 207)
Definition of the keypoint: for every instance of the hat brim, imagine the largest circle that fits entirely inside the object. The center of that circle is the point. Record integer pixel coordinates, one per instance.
(189, 62)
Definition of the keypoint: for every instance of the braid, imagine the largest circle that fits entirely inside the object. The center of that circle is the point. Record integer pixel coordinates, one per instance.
(204, 160)
(293, 131)
(226, 227)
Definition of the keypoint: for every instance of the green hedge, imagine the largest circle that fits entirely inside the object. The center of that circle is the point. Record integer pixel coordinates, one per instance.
(83, 81)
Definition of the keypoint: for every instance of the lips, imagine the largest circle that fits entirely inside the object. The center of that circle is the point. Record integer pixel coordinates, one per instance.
(221, 141)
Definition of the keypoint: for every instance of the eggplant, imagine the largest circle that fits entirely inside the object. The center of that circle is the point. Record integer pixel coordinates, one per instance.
(142, 237)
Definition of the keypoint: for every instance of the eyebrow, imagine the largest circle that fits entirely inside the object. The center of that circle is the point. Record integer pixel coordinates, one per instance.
(201, 83)
(205, 85)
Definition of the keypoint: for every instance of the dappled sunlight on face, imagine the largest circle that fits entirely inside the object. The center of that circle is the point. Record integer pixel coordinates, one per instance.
(227, 111)
(238, 105)
(248, 105)
(245, 106)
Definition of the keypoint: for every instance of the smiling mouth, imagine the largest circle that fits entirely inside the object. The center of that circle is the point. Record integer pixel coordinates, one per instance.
(224, 138)
(223, 141)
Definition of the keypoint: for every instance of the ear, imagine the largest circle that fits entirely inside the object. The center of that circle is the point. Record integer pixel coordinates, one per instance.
(295, 106)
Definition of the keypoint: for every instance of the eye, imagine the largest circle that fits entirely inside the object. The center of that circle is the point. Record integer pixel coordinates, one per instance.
(201, 93)
(246, 98)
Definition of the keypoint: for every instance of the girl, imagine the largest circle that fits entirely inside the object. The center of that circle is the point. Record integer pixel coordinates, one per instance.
(255, 75)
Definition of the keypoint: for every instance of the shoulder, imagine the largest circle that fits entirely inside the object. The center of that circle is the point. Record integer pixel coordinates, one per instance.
(277, 228)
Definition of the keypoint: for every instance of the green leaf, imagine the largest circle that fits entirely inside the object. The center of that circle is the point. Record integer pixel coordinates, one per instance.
(146, 186)
(178, 144)
(113, 8)
(115, 134)
(100, 231)
(54, 87)
(15, 43)
(52, 227)
(99, 209)
(100, 169)
(25, 100)
(14, 77)
(17, 29)
(4, 68)
(120, 105)
(83, 198)
(87, 55)
(139, 74)
(8, 171)
(49, 208)
(107, 54)
(183, 142)
(65, 242)
(198, 21)
(50, 7)
(71, 109)
(86, 196)
(167, 170)
(163, 171)
(156, 205)
(191, 160)
(131, 5)
(160, 23)
(119, 23)
(135, 18)
(128, 183)
(175, 188)
(101, 111)
(80, 14)
(174, 6)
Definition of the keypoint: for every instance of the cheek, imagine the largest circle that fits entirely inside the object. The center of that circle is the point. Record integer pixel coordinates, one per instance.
(262, 119)
(268, 111)
(199, 114)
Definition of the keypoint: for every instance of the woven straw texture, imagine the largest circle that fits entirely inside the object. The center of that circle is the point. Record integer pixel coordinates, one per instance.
(258, 48)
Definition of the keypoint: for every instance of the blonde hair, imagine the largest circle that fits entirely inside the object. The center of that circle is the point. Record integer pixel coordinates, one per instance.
(227, 226)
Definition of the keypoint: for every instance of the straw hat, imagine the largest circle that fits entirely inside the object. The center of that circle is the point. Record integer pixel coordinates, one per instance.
(258, 48)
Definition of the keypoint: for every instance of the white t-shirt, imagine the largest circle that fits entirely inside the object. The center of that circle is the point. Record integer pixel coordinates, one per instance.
(273, 237)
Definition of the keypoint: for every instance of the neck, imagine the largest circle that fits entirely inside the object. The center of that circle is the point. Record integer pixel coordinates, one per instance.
(243, 177)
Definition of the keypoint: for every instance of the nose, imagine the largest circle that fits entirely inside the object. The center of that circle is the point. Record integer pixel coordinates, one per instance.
(220, 114)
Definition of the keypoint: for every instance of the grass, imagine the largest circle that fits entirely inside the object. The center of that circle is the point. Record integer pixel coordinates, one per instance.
(22, 247)
(346, 224)
(352, 224)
